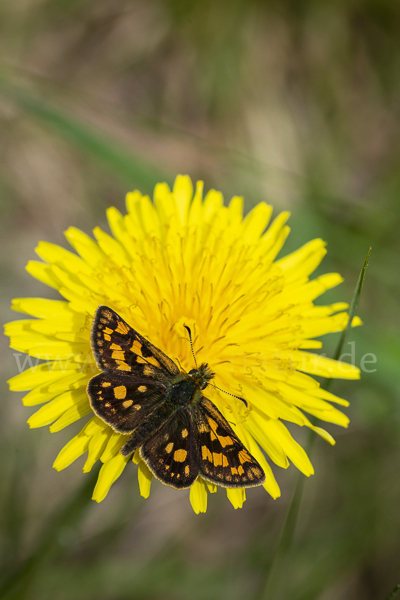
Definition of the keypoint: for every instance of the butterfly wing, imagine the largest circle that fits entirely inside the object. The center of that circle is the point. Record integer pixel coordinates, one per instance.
(124, 402)
(171, 454)
(117, 347)
(223, 459)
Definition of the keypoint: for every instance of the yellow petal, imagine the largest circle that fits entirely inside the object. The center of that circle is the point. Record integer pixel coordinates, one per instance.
(236, 497)
(38, 395)
(43, 273)
(255, 222)
(145, 477)
(54, 254)
(76, 412)
(273, 233)
(303, 261)
(113, 447)
(109, 473)
(71, 451)
(292, 449)
(96, 448)
(41, 374)
(90, 252)
(212, 488)
(54, 409)
(183, 192)
(116, 223)
(136, 457)
(198, 496)
(321, 393)
(94, 426)
(111, 247)
(323, 366)
(41, 308)
(257, 425)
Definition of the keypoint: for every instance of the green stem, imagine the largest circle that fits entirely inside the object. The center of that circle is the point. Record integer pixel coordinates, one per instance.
(394, 592)
(18, 584)
(289, 526)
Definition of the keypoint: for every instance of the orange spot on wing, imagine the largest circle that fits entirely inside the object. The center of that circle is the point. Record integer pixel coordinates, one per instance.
(122, 328)
(153, 361)
(244, 456)
(180, 455)
(257, 472)
(122, 366)
(206, 454)
(217, 459)
(136, 347)
(213, 424)
(225, 441)
(120, 392)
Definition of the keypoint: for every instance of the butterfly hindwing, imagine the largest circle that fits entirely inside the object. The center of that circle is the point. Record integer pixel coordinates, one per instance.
(171, 454)
(117, 347)
(124, 402)
(223, 459)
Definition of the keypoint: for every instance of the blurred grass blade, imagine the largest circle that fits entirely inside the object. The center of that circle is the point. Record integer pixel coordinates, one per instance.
(289, 525)
(51, 541)
(132, 170)
(394, 592)
(353, 306)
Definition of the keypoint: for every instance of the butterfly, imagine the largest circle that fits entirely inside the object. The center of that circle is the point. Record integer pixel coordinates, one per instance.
(143, 394)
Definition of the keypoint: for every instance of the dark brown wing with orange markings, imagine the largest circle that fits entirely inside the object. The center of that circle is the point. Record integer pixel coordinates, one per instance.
(223, 459)
(117, 347)
(171, 454)
(124, 402)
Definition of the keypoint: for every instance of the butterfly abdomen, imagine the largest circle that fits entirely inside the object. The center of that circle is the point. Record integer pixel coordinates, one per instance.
(178, 396)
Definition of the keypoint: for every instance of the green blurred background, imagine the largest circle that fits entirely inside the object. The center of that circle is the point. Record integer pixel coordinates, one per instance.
(294, 103)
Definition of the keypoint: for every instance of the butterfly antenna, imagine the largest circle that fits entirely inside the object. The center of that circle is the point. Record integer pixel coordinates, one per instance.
(191, 344)
(229, 394)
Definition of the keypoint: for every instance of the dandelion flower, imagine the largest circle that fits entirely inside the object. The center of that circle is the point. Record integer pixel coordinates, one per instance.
(184, 260)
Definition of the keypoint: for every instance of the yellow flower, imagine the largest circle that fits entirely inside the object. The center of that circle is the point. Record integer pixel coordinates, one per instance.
(185, 260)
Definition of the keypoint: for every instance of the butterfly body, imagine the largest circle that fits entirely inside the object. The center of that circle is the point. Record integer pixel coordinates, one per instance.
(181, 393)
(180, 433)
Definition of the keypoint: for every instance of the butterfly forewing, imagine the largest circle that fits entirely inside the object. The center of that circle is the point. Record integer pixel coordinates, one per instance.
(171, 454)
(124, 402)
(222, 457)
(118, 347)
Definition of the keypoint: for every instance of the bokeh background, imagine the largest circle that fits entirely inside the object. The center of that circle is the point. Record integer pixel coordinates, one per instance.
(294, 103)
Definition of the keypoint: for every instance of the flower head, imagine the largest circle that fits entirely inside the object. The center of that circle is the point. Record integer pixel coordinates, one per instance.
(185, 260)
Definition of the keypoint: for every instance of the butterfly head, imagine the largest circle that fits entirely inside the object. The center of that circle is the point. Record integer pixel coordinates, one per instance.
(201, 376)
